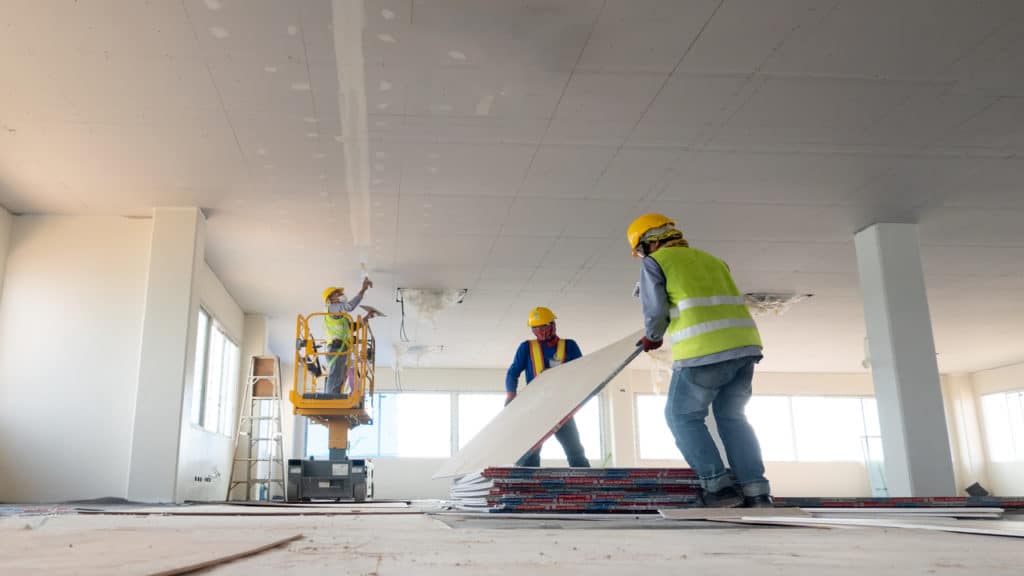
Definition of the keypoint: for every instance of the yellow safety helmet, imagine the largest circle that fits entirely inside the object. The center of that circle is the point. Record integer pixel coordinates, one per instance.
(331, 290)
(643, 225)
(540, 316)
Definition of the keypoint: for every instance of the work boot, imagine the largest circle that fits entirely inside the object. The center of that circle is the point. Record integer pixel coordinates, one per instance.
(759, 501)
(725, 498)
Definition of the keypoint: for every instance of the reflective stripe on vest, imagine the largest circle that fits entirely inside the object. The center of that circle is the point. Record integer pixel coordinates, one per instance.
(337, 327)
(537, 355)
(708, 314)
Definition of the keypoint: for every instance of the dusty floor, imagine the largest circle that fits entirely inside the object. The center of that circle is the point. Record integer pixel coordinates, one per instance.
(411, 544)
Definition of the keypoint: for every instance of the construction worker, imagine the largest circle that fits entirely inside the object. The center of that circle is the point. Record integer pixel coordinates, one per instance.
(691, 296)
(339, 333)
(533, 356)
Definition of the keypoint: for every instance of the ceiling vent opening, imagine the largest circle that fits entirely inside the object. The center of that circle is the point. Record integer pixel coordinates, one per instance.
(426, 304)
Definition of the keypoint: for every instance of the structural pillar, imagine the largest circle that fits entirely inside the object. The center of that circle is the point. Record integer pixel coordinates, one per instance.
(175, 260)
(903, 365)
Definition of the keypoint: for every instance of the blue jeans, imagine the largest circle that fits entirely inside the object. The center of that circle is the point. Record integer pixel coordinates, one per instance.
(725, 386)
(569, 437)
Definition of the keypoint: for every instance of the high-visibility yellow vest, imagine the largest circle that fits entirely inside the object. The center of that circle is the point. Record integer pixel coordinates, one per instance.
(337, 327)
(707, 313)
(537, 355)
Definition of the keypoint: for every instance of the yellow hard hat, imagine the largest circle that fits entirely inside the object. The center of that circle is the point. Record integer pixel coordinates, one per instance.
(643, 225)
(331, 290)
(540, 316)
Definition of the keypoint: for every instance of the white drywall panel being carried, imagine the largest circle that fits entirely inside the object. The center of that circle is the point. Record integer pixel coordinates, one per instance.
(70, 327)
(539, 408)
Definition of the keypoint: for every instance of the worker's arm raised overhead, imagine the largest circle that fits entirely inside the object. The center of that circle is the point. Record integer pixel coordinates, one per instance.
(515, 371)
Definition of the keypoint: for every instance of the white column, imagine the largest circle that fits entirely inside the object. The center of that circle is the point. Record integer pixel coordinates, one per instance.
(175, 259)
(6, 221)
(903, 366)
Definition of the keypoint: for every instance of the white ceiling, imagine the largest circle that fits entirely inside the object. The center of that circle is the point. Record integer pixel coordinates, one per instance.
(507, 146)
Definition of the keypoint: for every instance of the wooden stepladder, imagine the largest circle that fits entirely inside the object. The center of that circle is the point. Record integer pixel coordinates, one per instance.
(259, 446)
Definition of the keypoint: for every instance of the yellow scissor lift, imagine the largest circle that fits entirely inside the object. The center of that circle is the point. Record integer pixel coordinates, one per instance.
(338, 477)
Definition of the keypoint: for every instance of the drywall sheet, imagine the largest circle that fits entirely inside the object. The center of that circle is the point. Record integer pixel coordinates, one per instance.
(980, 527)
(540, 408)
(128, 550)
(729, 513)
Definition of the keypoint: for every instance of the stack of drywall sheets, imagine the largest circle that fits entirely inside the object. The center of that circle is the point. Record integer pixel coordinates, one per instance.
(630, 490)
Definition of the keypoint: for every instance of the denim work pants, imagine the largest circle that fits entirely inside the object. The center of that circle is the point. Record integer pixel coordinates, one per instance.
(726, 387)
(569, 437)
(337, 368)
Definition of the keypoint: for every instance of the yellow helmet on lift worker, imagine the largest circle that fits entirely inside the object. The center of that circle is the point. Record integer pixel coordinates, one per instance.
(540, 316)
(331, 290)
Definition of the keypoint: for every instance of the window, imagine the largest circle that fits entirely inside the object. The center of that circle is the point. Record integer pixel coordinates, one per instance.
(475, 412)
(1004, 425)
(588, 421)
(405, 425)
(789, 428)
(215, 377)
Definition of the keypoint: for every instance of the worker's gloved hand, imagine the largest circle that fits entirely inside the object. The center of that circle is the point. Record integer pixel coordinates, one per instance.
(649, 344)
(367, 283)
(509, 397)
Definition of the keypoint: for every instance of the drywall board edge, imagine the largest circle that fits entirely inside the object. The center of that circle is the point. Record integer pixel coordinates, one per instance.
(960, 526)
(538, 408)
(727, 513)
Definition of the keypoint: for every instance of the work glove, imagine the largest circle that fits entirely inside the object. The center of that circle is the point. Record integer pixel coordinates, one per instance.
(510, 396)
(649, 344)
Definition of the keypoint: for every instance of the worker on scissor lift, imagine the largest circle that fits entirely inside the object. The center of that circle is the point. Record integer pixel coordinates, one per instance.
(339, 333)
(533, 356)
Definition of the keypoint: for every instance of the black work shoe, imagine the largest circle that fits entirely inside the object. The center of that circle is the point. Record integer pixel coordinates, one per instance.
(759, 501)
(725, 498)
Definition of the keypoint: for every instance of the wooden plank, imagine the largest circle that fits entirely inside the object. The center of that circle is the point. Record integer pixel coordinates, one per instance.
(97, 552)
(538, 409)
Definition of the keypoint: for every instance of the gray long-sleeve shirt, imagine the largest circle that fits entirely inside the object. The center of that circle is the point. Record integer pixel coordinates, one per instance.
(344, 305)
(655, 307)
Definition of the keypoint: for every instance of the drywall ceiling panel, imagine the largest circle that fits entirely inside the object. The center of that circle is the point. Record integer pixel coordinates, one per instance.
(634, 173)
(548, 279)
(96, 29)
(415, 249)
(541, 217)
(438, 277)
(249, 86)
(972, 226)
(910, 187)
(644, 35)
(984, 69)
(519, 250)
(441, 215)
(385, 90)
(316, 31)
(456, 129)
(603, 107)
(760, 221)
(259, 29)
(506, 92)
(606, 280)
(819, 257)
(971, 260)
(601, 219)
(572, 253)
(614, 253)
(497, 276)
(566, 171)
(802, 111)
(992, 183)
(463, 169)
(999, 127)
(95, 89)
(914, 39)
(925, 120)
(744, 33)
(690, 109)
(701, 176)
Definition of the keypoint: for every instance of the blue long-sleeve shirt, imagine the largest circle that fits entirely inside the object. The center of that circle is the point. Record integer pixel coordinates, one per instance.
(522, 361)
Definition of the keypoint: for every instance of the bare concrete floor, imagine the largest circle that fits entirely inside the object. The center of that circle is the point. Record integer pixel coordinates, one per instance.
(411, 544)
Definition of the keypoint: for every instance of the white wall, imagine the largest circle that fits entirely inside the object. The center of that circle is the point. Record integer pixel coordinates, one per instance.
(204, 454)
(70, 327)
(1006, 478)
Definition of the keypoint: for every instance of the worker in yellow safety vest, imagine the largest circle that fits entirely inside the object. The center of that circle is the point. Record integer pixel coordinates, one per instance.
(690, 297)
(533, 357)
(338, 330)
